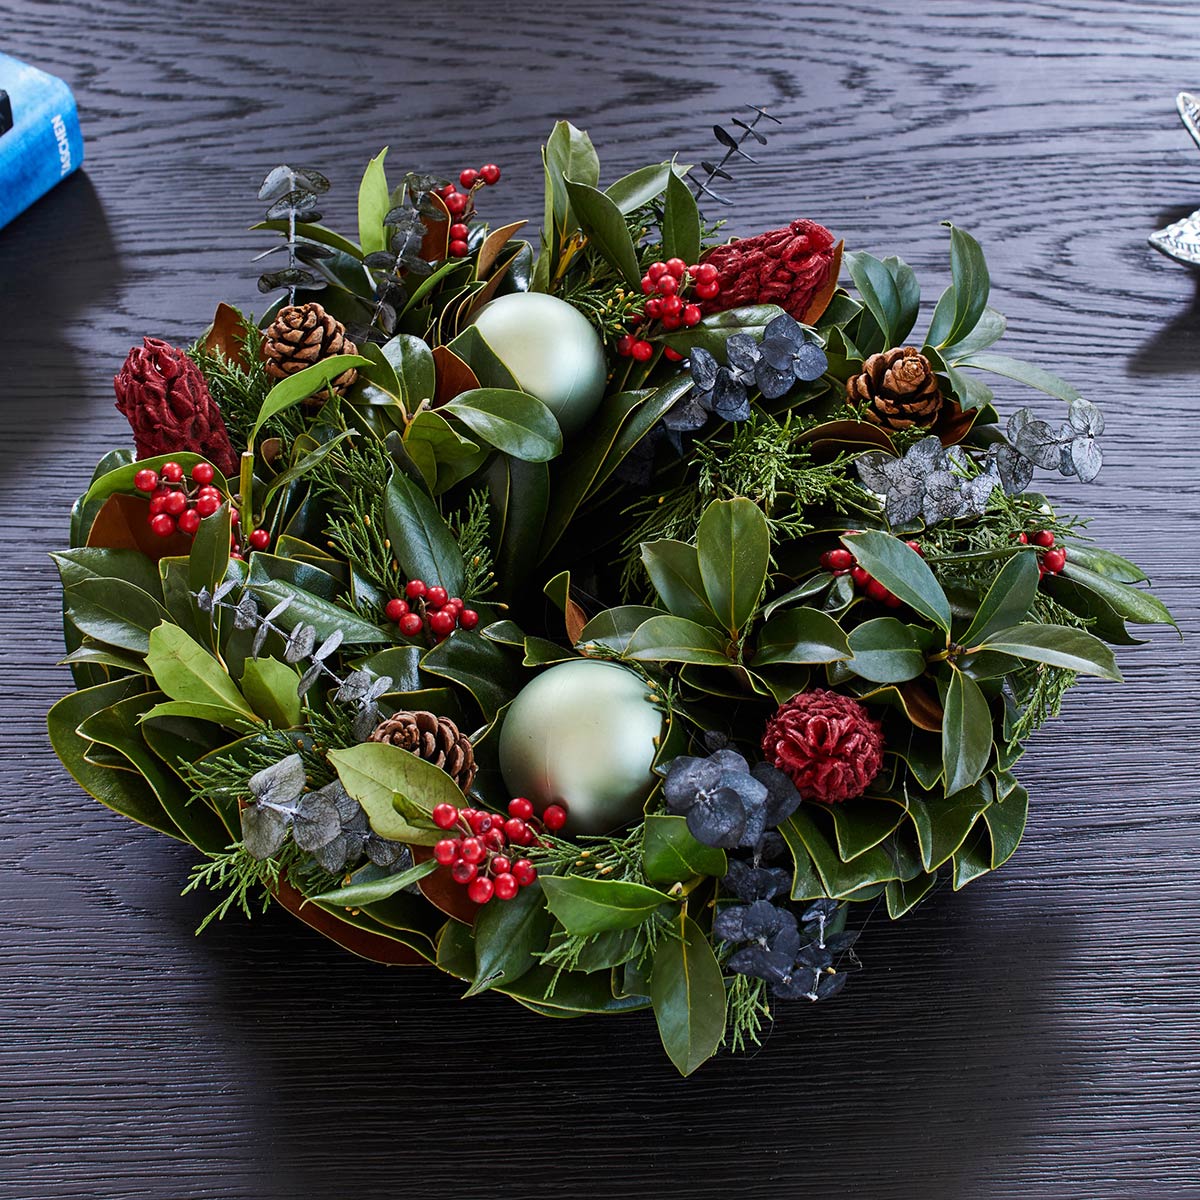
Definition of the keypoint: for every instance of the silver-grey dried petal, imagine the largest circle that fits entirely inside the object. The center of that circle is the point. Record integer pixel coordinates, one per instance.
(328, 646)
(260, 638)
(300, 643)
(315, 822)
(245, 616)
(1087, 459)
(281, 782)
(264, 830)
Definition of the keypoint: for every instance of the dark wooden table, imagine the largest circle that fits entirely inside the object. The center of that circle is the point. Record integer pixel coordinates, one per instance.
(1035, 1035)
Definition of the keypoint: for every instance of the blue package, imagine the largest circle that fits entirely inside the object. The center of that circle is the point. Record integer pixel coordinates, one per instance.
(40, 142)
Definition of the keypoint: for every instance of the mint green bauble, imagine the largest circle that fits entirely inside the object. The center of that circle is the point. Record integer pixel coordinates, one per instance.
(582, 735)
(551, 350)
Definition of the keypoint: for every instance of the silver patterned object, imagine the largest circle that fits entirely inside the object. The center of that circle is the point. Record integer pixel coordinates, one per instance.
(1181, 241)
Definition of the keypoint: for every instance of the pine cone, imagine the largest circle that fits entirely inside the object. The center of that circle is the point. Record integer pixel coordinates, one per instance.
(899, 389)
(433, 738)
(304, 334)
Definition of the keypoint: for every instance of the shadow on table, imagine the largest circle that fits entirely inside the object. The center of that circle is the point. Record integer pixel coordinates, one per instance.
(1175, 348)
(56, 260)
(942, 1056)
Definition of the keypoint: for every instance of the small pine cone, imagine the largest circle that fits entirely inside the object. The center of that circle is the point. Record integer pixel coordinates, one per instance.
(899, 389)
(433, 738)
(304, 334)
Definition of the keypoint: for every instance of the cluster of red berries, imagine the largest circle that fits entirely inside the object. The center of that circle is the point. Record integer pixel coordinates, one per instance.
(432, 606)
(479, 858)
(667, 284)
(1052, 558)
(179, 504)
(842, 562)
(460, 204)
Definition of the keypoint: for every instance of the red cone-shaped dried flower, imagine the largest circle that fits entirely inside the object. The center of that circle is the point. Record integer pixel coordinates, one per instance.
(166, 402)
(796, 268)
(826, 743)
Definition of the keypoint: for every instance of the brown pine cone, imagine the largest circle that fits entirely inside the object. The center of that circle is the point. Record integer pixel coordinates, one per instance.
(899, 389)
(304, 334)
(433, 738)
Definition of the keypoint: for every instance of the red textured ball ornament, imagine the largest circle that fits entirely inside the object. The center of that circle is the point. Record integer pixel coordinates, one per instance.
(795, 268)
(826, 743)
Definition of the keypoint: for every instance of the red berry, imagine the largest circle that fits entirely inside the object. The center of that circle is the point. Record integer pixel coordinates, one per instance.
(1043, 538)
(234, 516)
(489, 173)
(839, 559)
(704, 273)
(414, 588)
(860, 577)
(676, 267)
(876, 590)
(205, 505)
(145, 480)
(654, 309)
(411, 624)
(203, 473)
(917, 547)
(463, 872)
(554, 817)
(445, 816)
(189, 522)
(473, 850)
(672, 355)
(457, 204)
(174, 503)
(668, 285)
(499, 864)
(436, 597)
(672, 322)
(1054, 560)
(656, 270)
(208, 491)
(892, 600)
(447, 189)
(468, 618)
(642, 350)
(672, 306)
(458, 248)
(172, 472)
(706, 291)
(467, 177)
(396, 609)
(480, 889)
(162, 524)
(157, 505)
(516, 829)
(691, 315)
(459, 230)
(442, 623)
(475, 818)
(649, 286)
(524, 872)
(260, 539)
(1023, 538)
(494, 839)
(506, 886)
(521, 808)
(446, 851)
(625, 345)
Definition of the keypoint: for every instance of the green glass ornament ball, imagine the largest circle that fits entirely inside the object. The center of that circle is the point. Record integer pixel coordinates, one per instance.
(582, 735)
(551, 350)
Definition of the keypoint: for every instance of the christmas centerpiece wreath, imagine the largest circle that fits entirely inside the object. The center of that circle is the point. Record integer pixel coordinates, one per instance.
(608, 620)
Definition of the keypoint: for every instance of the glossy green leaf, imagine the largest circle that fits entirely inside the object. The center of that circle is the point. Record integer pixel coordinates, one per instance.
(966, 733)
(309, 609)
(105, 656)
(671, 855)
(904, 895)
(313, 233)
(488, 671)
(615, 626)
(962, 305)
(865, 823)
(1006, 822)
(989, 329)
(606, 229)
(1022, 372)
(681, 222)
(885, 651)
(473, 348)
(802, 636)
(733, 542)
(568, 154)
(973, 858)
(209, 557)
(585, 906)
(270, 689)
(514, 422)
(674, 570)
(421, 540)
(877, 287)
(355, 895)
(413, 363)
(290, 391)
(95, 562)
(197, 710)
(120, 479)
(508, 935)
(1104, 562)
(639, 187)
(943, 822)
(674, 639)
(1008, 599)
(714, 331)
(442, 455)
(377, 773)
(114, 612)
(1057, 646)
(374, 201)
(1133, 604)
(185, 671)
(810, 844)
(903, 571)
(688, 993)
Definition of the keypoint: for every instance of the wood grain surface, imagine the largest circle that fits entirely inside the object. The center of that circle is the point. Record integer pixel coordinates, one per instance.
(1033, 1036)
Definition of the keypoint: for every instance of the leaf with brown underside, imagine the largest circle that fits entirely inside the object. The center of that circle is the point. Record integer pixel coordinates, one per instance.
(442, 892)
(480, 298)
(820, 302)
(492, 245)
(453, 376)
(435, 245)
(123, 523)
(226, 336)
(953, 424)
(837, 436)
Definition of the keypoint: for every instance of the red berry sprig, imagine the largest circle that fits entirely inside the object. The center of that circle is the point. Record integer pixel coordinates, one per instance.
(461, 205)
(841, 561)
(478, 856)
(1051, 558)
(179, 503)
(424, 607)
(666, 285)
